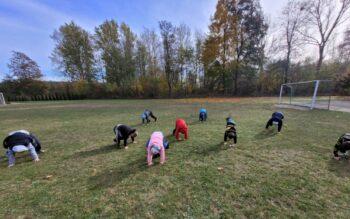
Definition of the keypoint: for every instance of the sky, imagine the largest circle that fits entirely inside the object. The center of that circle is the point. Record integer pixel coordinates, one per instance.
(26, 25)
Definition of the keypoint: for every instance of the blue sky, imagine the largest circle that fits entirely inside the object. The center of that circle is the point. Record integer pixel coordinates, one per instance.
(26, 25)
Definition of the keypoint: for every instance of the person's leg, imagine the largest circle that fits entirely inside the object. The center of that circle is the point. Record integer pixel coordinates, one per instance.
(33, 153)
(153, 116)
(11, 156)
(205, 117)
(166, 143)
(280, 123)
(269, 123)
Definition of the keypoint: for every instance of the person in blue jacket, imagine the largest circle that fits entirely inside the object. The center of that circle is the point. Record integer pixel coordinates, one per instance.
(203, 115)
(146, 115)
(276, 117)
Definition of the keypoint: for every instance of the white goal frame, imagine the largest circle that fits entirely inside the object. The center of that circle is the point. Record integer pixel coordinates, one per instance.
(312, 103)
(2, 99)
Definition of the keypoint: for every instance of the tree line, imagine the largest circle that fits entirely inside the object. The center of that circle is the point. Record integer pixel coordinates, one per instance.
(241, 55)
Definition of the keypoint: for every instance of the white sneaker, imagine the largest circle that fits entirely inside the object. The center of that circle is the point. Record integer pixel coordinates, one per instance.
(11, 165)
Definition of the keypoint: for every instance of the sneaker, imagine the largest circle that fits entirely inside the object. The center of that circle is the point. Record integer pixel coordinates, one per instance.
(11, 165)
(126, 147)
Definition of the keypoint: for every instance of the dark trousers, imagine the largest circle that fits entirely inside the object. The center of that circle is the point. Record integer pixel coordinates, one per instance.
(202, 117)
(272, 120)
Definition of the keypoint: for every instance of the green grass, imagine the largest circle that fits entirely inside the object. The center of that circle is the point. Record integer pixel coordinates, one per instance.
(266, 175)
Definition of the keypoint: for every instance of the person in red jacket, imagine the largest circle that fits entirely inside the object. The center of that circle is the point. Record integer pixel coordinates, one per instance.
(180, 127)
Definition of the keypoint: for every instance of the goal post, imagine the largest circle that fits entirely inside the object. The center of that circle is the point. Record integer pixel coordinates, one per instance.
(310, 94)
(2, 99)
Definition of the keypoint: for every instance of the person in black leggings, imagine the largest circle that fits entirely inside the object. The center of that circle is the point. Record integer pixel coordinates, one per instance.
(276, 117)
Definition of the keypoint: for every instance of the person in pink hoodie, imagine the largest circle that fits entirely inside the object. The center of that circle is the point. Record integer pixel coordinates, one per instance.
(156, 146)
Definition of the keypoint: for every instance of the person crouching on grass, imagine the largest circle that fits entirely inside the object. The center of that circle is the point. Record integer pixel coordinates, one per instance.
(21, 141)
(342, 145)
(203, 115)
(156, 147)
(231, 132)
(276, 117)
(180, 127)
(124, 132)
(145, 116)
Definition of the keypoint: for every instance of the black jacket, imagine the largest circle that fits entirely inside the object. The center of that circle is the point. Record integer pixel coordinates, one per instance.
(342, 145)
(122, 132)
(19, 138)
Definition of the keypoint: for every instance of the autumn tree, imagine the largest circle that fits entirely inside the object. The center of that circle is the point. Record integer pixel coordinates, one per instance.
(73, 54)
(23, 68)
(127, 41)
(108, 44)
(167, 31)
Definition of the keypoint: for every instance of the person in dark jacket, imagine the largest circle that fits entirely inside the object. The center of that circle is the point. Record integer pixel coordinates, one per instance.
(146, 115)
(231, 132)
(342, 145)
(20, 141)
(276, 117)
(203, 115)
(124, 132)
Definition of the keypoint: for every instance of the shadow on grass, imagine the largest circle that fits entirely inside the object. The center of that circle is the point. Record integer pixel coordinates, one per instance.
(114, 176)
(213, 149)
(264, 134)
(101, 150)
(340, 168)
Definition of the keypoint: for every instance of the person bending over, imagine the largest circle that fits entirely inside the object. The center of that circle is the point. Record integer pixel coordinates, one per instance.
(156, 147)
(203, 115)
(20, 141)
(166, 145)
(124, 132)
(180, 127)
(276, 118)
(231, 132)
(342, 145)
(145, 116)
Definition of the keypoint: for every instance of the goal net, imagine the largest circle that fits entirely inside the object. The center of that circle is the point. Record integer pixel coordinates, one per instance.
(311, 94)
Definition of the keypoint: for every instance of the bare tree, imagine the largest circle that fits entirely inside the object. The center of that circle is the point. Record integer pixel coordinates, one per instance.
(344, 47)
(323, 17)
(291, 21)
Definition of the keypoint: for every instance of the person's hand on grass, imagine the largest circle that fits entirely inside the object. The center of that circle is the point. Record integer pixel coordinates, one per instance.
(36, 160)
(337, 158)
(150, 164)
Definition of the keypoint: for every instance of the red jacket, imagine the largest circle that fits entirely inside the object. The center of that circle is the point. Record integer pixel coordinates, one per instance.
(181, 127)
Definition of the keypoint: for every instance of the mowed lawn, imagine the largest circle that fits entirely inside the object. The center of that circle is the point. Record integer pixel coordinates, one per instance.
(83, 174)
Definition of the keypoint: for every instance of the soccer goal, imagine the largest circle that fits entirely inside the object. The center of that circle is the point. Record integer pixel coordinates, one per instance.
(2, 99)
(310, 94)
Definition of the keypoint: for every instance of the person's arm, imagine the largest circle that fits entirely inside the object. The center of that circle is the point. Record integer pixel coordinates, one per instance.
(186, 133)
(225, 137)
(149, 156)
(36, 143)
(5, 142)
(162, 155)
(177, 133)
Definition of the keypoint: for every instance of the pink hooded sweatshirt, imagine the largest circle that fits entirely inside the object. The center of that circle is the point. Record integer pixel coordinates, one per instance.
(156, 139)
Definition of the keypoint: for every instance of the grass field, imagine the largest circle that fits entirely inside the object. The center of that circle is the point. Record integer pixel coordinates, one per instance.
(266, 175)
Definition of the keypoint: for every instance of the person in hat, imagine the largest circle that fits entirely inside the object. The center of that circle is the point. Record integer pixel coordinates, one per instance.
(21, 141)
(230, 132)
(203, 115)
(156, 147)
